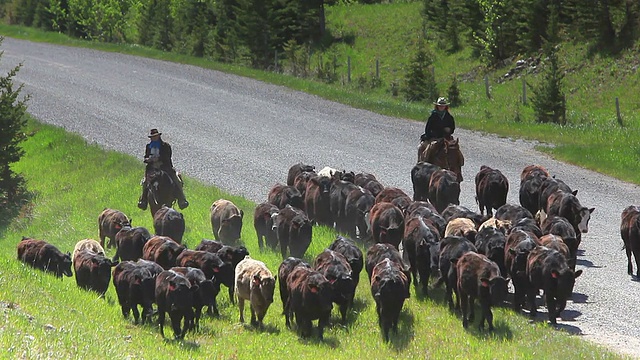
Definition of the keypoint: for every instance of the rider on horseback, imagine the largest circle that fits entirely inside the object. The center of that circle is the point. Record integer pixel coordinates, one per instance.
(439, 125)
(158, 156)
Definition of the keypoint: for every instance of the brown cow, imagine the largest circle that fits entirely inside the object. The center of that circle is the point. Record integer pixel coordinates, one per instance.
(205, 294)
(263, 218)
(479, 277)
(379, 252)
(301, 180)
(396, 196)
(110, 221)
(338, 193)
(454, 211)
(389, 286)
(169, 222)
(162, 250)
(351, 252)
(567, 205)
(444, 189)
(387, 223)
(317, 200)
(491, 189)
(512, 212)
(211, 265)
(461, 227)
(451, 248)
(368, 182)
(44, 256)
(533, 170)
(421, 246)
(280, 195)
(255, 283)
(226, 220)
(284, 270)
(531, 180)
(297, 169)
(630, 233)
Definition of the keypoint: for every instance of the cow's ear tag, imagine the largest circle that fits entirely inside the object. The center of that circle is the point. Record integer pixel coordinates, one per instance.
(314, 289)
(485, 283)
(554, 274)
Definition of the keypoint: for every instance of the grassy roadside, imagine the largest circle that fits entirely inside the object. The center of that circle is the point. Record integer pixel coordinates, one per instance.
(49, 318)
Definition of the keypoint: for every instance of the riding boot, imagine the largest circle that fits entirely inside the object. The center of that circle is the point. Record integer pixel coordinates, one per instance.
(182, 200)
(143, 201)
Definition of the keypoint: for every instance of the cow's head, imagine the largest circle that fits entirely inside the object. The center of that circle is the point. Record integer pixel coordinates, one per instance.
(585, 216)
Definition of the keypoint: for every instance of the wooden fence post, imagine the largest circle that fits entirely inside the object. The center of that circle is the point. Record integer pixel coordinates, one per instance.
(486, 86)
(618, 112)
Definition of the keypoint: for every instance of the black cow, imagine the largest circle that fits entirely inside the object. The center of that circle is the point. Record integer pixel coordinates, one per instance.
(491, 242)
(174, 295)
(531, 181)
(44, 256)
(512, 212)
(451, 248)
(169, 222)
(420, 178)
(205, 294)
(395, 196)
(491, 189)
(421, 246)
(310, 298)
(352, 253)
(516, 252)
(381, 251)
(130, 243)
(547, 269)
(211, 265)
(338, 194)
(444, 189)
(429, 214)
(454, 211)
(549, 186)
(389, 286)
(263, 218)
(334, 266)
(368, 182)
(93, 271)
(560, 226)
(357, 208)
(526, 224)
(135, 287)
(479, 277)
(294, 231)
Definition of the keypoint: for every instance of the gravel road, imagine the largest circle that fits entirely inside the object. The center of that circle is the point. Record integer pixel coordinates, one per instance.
(243, 135)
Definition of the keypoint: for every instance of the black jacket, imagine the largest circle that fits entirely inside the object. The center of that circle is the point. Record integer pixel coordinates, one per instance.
(165, 155)
(436, 124)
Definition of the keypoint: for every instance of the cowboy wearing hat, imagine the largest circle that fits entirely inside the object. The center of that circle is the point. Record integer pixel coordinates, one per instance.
(439, 125)
(158, 156)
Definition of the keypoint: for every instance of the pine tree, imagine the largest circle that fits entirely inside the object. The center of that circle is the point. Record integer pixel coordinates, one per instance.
(453, 92)
(12, 123)
(420, 82)
(548, 100)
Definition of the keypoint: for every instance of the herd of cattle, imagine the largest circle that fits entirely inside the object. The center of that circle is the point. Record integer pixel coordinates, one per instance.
(475, 255)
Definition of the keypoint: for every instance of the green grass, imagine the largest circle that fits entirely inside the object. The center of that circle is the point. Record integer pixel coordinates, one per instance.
(45, 317)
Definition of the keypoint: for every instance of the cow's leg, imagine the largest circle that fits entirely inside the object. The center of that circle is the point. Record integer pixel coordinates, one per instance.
(253, 314)
(136, 313)
(161, 315)
(176, 318)
(472, 308)
(636, 255)
(241, 308)
(231, 293)
(551, 308)
(464, 307)
(627, 248)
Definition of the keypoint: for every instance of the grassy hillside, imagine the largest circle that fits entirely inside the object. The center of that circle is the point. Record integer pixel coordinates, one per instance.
(45, 317)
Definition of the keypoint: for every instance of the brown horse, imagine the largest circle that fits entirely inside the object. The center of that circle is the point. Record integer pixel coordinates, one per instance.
(444, 153)
(160, 190)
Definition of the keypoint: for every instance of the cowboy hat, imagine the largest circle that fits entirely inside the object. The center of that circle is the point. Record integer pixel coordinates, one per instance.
(442, 101)
(154, 132)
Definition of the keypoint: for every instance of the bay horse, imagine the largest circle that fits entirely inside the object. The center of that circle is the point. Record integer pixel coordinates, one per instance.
(444, 153)
(160, 190)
